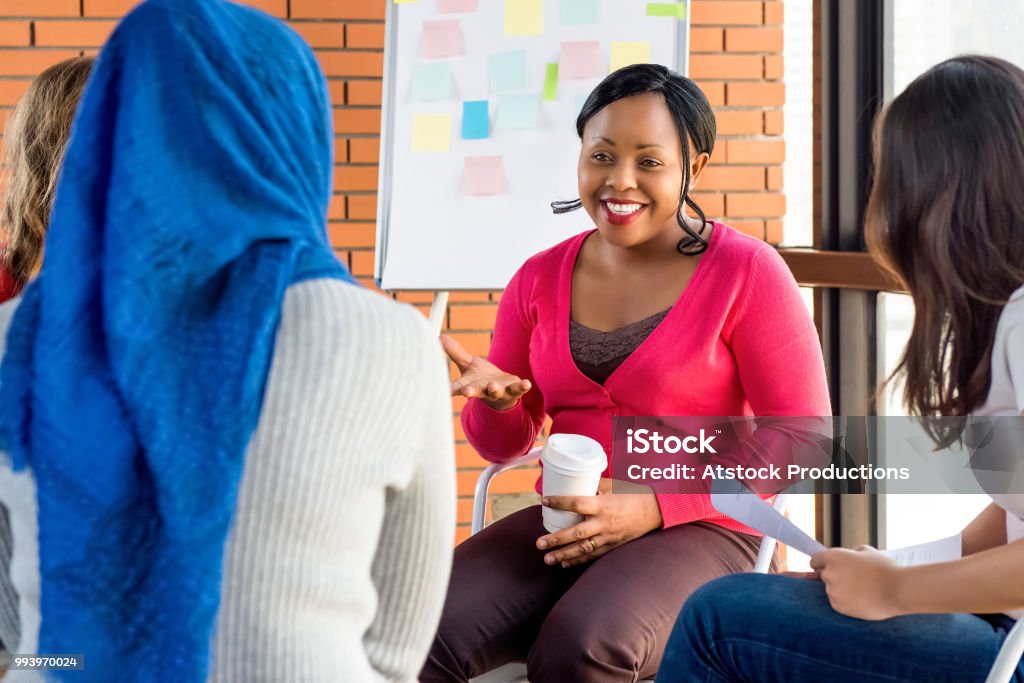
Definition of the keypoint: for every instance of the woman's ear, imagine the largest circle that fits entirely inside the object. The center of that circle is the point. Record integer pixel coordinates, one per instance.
(698, 163)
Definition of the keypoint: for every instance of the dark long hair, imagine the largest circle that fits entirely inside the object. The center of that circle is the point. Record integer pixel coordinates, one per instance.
(695, 120)
(946, 215)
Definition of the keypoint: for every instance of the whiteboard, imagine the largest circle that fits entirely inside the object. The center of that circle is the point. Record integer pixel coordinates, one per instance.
(431, 235)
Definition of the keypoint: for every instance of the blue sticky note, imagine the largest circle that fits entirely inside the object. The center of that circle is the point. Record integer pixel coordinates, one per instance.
(475, 122)
(518, 111)
(579, 12)
(508, 71)
(432, 81)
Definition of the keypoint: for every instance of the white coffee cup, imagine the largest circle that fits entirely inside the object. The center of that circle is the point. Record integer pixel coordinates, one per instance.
(573, 465)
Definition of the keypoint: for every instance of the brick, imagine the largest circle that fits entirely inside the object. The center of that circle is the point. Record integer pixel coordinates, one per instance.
(14, 33)
(320, 34)
(466, 456)
(755, 94)
(519, 480)
(365, 150)
(357, 120)
(464, 510)
(336, 208)
(733, 178)
(351, 63)
(31, 62)
(773, 231)
(755, 151)
(365, 92)
(107, 8)
(706, 40)
(468, 297)
(276, 8)
(714, 91)
(340, 150)
(336, 9)
(741, 122)
(362, 207)
(752, 228)
(476, 343)
(39, 8)
(725, 12)
(753, 39)
(462, 532)
(350, 234)
(74, 33)
(457, 430)
(11, 91)
(774, 123)
(755, 205)
(414, 297)
(479, 317)
(774, 13)
(336, 89)
(773, 178)
(712, 204)
(355, 178)
(774, 67)
(369, 36)
(726, 66)
(362, 263)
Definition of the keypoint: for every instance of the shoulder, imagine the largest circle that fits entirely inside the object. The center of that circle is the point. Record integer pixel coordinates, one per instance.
(741, 253)
(549, 263)
(1013, 311)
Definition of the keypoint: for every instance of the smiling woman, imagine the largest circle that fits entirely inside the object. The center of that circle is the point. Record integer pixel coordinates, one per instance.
(652, 312)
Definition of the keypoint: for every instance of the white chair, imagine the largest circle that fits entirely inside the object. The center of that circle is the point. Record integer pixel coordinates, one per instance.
(515, 672)
(1009, 656)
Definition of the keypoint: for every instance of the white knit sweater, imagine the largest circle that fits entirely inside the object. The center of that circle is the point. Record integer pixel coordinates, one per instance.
(337, 563)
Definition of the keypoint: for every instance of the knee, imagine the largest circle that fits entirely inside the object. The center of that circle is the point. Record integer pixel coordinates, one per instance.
(578, 647)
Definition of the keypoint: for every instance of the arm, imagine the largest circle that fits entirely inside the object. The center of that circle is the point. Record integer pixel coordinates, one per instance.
(500, 435)
(414, 554)
(985, 531)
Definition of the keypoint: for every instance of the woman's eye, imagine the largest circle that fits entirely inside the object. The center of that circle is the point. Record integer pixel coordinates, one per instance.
(650, 163)
(600, 156)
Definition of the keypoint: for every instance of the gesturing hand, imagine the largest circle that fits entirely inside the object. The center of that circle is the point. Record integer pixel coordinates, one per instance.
(481, 379)
(611, 520)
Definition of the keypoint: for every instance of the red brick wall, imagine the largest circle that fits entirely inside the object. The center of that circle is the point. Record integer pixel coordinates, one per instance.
(736, 56)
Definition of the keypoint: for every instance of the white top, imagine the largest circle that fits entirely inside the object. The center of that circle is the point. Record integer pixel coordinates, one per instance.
(1006, 398)
(338, 560)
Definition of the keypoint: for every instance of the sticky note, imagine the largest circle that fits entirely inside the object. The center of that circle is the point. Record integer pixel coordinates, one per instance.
(578, 12)
(524, 17)
(476, 124)
(580, 59)
(431, 132)
(518, 111)
(624, 54)
(441, 39)
(550, 82)
(666, 9)
(508, 71)
(432, 81)
(399, 2)
(483, 176)
(453, 6)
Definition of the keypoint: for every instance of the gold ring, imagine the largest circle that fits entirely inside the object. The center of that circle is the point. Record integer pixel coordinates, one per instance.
(593, 546)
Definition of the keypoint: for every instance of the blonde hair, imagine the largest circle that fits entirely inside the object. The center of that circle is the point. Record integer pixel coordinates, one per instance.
(36, 136)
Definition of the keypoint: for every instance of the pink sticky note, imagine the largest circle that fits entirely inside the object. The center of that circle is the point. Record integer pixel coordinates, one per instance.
(452, 6)
(483, 176)
(441, 39)
(581, 59)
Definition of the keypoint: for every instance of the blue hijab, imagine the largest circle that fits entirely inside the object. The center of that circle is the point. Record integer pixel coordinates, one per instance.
(194, 192)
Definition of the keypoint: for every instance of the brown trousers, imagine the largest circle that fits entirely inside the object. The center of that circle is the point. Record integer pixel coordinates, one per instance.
(607, 620)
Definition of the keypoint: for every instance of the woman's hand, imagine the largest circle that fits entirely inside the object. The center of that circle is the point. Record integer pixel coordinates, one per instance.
(611, 520)
(481, 379)
(861, 583)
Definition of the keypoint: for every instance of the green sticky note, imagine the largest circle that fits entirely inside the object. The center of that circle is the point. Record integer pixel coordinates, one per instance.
(625, 54)
(524, 17)
(431, 132)
(551, 82)
(666, 9)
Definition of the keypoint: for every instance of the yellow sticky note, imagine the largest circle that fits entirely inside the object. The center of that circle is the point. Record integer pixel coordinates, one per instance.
(624, 54)
(524, 17)
(399, 2)
(431, 132)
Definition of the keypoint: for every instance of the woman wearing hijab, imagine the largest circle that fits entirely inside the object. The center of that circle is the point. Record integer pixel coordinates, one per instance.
(236, 464)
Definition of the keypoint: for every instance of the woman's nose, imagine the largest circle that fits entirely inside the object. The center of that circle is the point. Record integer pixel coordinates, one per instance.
(621, 178)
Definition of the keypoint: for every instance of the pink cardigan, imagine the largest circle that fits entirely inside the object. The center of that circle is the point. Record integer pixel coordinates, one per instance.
(738, 341)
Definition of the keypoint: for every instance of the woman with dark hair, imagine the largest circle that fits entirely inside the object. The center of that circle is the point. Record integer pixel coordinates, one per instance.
(654, 312)
(946, 216)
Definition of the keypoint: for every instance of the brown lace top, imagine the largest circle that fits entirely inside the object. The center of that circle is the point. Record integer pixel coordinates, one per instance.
(598, 354)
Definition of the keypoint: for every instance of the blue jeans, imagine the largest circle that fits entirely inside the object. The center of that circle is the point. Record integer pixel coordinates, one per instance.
(755, 627)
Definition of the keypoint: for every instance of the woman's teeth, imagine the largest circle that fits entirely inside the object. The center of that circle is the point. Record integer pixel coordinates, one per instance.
(623, 209)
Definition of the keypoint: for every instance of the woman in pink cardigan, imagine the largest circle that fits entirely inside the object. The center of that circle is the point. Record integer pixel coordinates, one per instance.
(652, 313)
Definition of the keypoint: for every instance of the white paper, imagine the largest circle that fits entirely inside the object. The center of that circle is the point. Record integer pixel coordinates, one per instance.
(738, 502)
(943, 550)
